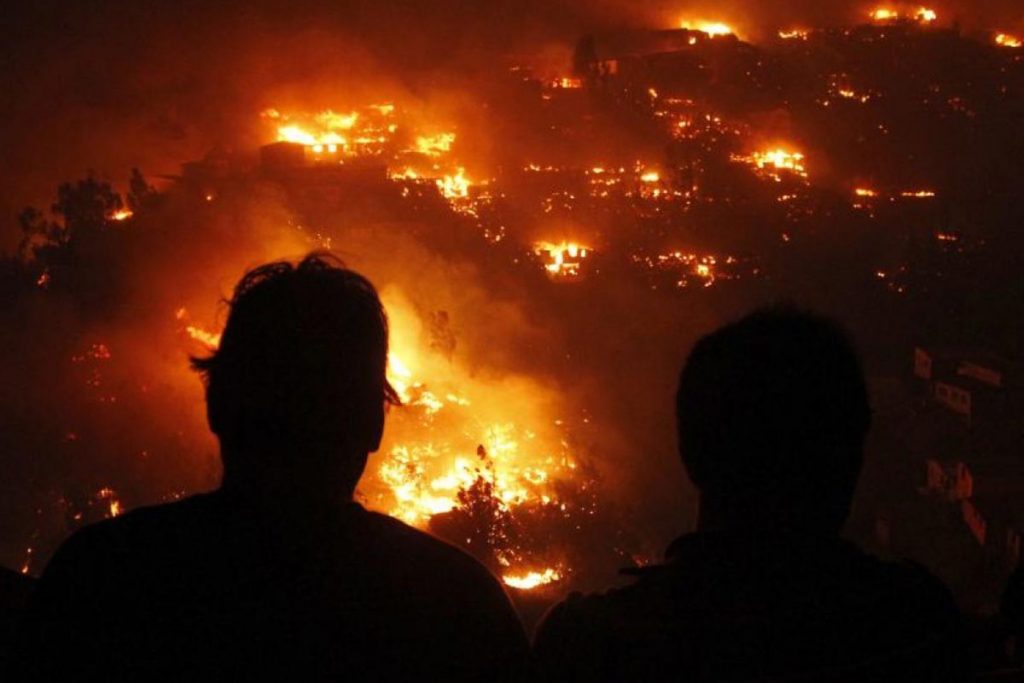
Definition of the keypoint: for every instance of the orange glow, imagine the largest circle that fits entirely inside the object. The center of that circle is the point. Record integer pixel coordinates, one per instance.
(567, 83)
(532, 579)
(456, 438)
(208, 339)
(334, 133)
(771, 162)
(795, 34)
(121, 215)
(563, 258)
(925, 15)
(455, 186)
(435, 145)
(1007, 40)
(109, 497)
(211, 340)
(711, 28)
(918, 194)
(865, 192)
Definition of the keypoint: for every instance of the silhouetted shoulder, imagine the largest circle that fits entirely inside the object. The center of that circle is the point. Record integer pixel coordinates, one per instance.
(15, 589)
(459, 577)
(327, 591)
(736, 610)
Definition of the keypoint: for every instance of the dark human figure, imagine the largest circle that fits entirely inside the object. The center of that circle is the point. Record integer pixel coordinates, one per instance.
(772, 416)
(278, 575)
(1009, 621)
(15, 589)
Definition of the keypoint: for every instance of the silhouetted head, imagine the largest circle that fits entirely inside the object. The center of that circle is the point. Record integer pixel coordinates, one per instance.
(296, 391)
(772, 414)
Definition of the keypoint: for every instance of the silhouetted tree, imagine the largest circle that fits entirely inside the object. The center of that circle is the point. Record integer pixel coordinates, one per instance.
(37, 231)
(86, 206)
(140, 192)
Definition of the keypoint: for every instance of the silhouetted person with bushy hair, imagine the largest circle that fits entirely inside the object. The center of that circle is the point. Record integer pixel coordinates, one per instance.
(772, 416)
(278, 575)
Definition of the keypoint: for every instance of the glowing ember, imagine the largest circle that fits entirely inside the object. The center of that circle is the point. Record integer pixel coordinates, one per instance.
(1007, 40)
(533, 579)
(650, 177)
(711, 28)
(865, 192)
(917, 194)
(885, 14)
(566, 83)
(121, 215)
(108, 497)
(795, 34)
(562, 259)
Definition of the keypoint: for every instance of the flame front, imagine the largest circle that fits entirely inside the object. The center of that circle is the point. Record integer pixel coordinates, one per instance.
(532, 579)
(711, 28)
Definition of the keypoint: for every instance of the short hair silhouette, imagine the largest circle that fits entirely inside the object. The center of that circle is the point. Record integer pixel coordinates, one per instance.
(772, 415)
(300, 371)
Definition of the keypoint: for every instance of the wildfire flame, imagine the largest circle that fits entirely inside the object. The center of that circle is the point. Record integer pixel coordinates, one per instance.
(455, 186)
(211, 340)
(794, 34)
(331, 132)
(435, 145)
(1007, 40)
(771, 162)
(563, 258)
(711, 28)
(924, 15)
(566, 83)
(532, 579)
(109, 497)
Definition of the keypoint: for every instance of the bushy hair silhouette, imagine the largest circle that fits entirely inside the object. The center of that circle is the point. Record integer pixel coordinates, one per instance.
(301, 363)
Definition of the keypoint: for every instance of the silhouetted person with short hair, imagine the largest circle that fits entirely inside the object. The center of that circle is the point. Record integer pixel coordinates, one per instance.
(772, 416)
(278, 575)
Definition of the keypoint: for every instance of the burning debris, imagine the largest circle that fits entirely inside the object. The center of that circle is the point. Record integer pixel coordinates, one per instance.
(562, 260)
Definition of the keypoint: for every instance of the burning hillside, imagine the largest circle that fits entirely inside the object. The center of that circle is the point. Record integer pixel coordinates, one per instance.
(549, 230)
